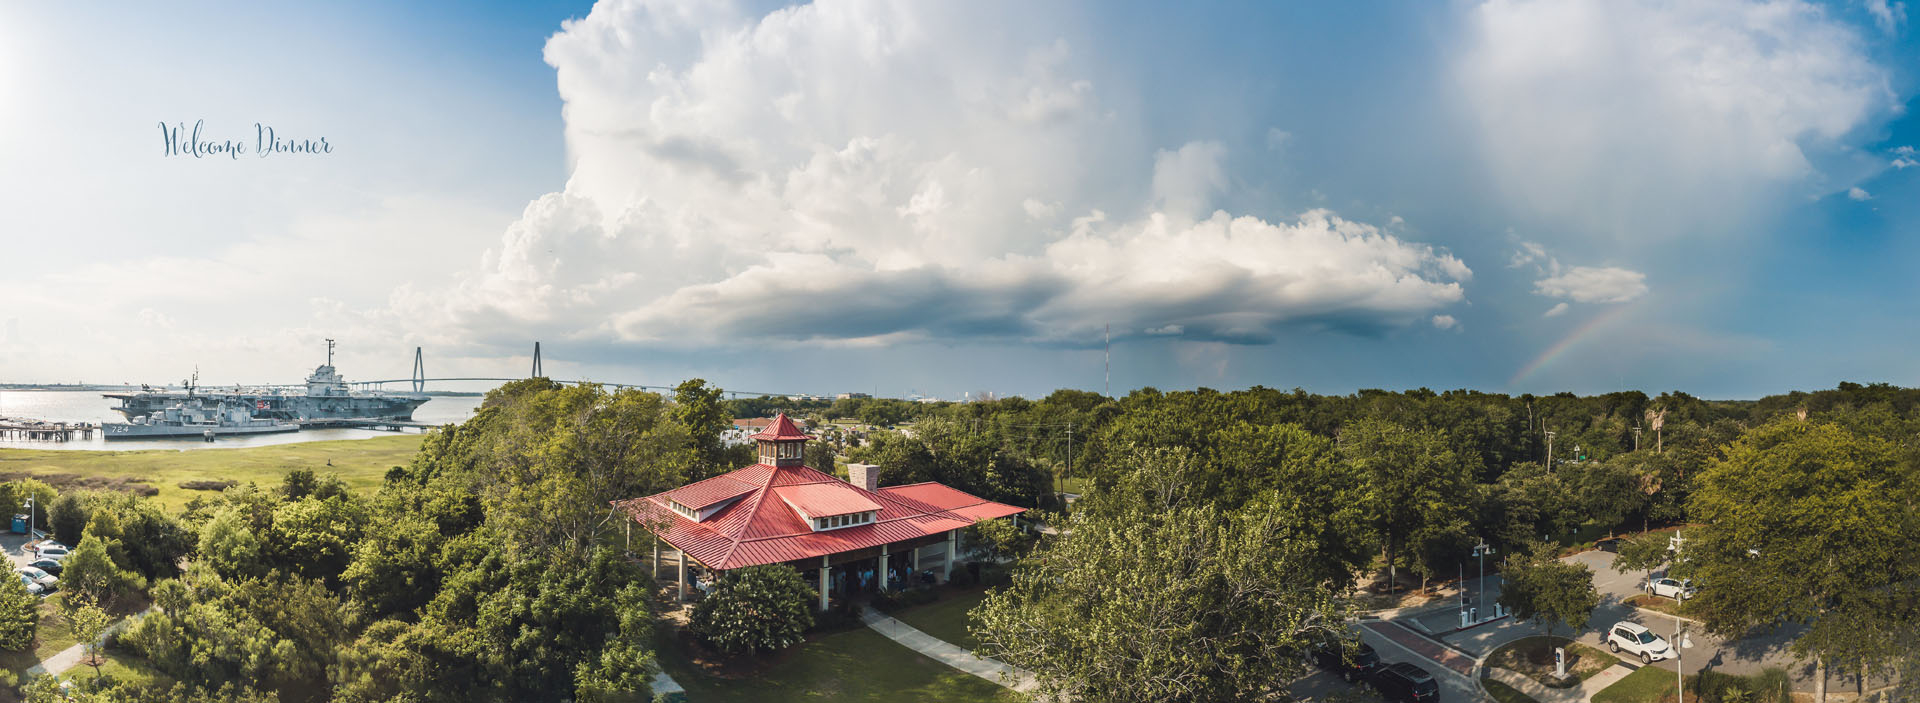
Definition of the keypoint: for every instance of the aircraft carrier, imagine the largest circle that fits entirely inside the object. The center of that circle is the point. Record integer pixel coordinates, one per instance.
(326, 396)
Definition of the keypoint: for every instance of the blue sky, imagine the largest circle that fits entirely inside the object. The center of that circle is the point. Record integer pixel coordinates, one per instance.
(1503, 195)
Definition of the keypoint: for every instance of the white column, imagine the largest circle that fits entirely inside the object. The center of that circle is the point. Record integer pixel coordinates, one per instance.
(883, 567)
(656, 558)
(824, 570)
(952, 538)
(683, 574)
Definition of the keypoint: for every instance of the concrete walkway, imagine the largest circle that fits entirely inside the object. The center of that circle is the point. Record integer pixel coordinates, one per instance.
(68, 658)
(664, 685)
(947, 653)
(1578, 694)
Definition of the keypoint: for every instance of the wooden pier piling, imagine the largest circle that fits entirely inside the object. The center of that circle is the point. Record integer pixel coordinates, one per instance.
(17, 429)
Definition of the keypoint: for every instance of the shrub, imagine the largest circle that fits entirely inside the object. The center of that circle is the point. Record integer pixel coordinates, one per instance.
(891, 601)
(758, 608)
(208, 485)
(961, 578)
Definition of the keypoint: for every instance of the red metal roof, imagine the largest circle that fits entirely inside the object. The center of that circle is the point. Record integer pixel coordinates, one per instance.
(700, 494)
(941, 497)
(763, 528)
(781, 428)
(825, 499)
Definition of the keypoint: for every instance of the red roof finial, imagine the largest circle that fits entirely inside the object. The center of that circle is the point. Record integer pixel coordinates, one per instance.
(781, 429)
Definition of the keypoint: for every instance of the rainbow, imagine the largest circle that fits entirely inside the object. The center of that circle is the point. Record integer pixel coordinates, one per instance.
(1559, 348)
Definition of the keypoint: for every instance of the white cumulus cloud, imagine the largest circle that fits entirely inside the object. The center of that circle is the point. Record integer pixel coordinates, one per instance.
(844, 173)
(1588, 284)
(1858, 193)
(1702, 111)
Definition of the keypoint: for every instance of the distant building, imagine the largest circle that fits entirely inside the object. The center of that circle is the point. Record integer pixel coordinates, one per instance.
(851, 396)
(846, 536)
(745, 427)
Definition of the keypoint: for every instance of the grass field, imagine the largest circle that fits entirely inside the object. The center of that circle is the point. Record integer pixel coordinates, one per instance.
(856, 665)
(1504, 693)
(362, 463)
(945, 618)
(1647, 685)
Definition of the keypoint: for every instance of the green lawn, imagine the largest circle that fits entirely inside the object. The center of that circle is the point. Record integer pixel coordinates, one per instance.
(1533, 657)
(1504, 693)
(945, 618)
(1647, 685)
(362, 463)
(856, 665)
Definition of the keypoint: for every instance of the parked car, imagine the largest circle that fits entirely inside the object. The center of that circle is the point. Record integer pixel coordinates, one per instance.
(48, 565)
(32, 587)
(1636, 639)
(56, 552)
(1405, 682)
(1677, 589)
(46, 580)
(1356, 664)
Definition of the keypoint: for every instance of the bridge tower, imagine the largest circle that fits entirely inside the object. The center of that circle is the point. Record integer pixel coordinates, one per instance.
(419, 372)
(536, 361)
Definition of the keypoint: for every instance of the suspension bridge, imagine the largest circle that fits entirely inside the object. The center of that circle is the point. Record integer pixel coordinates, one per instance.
(418, 382)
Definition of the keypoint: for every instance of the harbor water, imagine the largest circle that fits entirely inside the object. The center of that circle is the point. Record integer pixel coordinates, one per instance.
(89, 406)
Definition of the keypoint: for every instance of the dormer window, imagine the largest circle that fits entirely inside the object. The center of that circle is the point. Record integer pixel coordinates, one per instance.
(684, 511)
(835, 522)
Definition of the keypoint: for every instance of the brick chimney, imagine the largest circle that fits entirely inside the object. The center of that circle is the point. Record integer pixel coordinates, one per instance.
(864, 475)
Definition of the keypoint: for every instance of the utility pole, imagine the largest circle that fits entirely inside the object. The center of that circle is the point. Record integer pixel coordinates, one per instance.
(1550, 450)
(1636, 438)
(1063, 498)
(1109, 390)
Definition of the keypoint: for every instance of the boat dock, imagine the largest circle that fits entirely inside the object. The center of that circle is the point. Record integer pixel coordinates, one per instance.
(14, 428)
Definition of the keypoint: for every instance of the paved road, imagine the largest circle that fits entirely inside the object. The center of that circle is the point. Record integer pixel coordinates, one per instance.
(1455, 686)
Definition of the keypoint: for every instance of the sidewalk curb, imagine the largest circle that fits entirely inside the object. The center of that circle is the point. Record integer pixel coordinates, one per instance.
(1657, 613)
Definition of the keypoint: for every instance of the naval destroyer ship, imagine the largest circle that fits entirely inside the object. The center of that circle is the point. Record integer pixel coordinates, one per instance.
(326, 396)
(194, 418)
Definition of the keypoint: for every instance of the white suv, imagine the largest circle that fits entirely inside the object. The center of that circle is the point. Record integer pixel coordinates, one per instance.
(1676, 589)
(1637, 639)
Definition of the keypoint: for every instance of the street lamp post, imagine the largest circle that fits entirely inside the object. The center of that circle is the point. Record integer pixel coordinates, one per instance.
(1481, 551)
(1681, 641)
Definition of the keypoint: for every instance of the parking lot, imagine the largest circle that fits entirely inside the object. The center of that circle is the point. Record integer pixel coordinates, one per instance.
(16, 548)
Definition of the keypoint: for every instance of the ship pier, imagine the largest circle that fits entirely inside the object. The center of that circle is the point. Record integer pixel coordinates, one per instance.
(362, 423)
(13, 428)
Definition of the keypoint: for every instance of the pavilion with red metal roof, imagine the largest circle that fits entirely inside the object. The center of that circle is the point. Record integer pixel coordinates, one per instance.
(779, 511)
